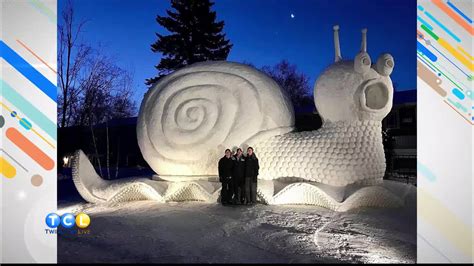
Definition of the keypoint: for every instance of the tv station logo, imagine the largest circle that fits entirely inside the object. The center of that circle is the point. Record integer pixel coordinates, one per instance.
(68, 221)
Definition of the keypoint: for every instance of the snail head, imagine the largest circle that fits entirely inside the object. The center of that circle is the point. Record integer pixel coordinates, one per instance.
(355, 90)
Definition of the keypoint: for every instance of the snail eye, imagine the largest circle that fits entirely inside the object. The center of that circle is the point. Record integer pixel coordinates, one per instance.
(362, 62)
(385, 65)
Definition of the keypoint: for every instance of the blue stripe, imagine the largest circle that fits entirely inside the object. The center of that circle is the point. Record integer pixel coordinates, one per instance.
(459, 12)
(426, 52)
(457, 105)
(442, 26)
(426, 64)
(447, 58)
(458, 94)
(425, 171)
(28, 71)
(424, 22)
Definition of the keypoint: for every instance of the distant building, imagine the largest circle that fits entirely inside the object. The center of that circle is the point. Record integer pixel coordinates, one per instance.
(400, 136)
(122, 148)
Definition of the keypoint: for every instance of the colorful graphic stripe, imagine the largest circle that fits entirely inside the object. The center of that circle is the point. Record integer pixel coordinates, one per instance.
(426, 52)
(25, 123)
(29, 148)
(449, 48)
(432, 80)
(442, 26)
(465, 53)
(436, 70)
(44, 10)
(425, 171)
(28, 109)
(35, 55)
(424, 22)
(28, 71)
(13, 159)
(6, 169)
(451, 5)
(459, 20)
(448, 223)
(449, 60)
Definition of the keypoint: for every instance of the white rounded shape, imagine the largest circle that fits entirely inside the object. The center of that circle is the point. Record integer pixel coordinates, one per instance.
(191, 116)
(341, 92)
(362, 63)
(385, 64)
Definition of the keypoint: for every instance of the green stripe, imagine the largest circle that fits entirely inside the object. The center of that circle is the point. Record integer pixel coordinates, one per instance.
(44, 9)
(427, 60)
(430, 32)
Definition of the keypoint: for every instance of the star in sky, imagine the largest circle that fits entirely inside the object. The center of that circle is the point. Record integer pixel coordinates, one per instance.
(292, 15)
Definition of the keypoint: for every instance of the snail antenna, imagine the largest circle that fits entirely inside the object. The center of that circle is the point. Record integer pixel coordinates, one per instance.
(337, 48)
(363, 46)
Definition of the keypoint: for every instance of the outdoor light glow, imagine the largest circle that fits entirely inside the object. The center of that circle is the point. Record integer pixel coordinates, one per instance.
(65, 161)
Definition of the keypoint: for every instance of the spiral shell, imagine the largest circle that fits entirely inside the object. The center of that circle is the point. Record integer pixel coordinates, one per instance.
(190, 116)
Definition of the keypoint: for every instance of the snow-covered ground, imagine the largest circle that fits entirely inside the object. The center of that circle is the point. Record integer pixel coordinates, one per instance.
(193, 232)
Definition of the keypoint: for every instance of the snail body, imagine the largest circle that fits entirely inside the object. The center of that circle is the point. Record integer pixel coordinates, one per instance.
(191, 116)
(338, 154)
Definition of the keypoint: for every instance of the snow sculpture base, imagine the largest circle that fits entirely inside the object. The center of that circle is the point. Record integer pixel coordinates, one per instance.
(273, 192)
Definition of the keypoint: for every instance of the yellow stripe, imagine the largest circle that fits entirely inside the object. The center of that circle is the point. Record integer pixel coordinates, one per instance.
(32, 129)
(6, 169)
(38, 134)
(434, 212)
(456, 54)
(6, 107)
(465, 53)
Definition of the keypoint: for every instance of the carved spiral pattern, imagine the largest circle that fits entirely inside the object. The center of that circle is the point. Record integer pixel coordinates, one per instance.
(189, 117)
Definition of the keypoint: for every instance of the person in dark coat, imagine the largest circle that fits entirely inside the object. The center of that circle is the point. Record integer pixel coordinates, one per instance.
(238, 176)
(251, 173)
(225, 177)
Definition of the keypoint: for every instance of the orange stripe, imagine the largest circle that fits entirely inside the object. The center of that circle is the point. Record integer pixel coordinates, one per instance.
(29, 148)
(441, 5)
(35, 55)
(458, 112)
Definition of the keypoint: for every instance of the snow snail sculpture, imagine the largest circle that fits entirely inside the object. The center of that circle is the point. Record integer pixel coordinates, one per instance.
(190, 116)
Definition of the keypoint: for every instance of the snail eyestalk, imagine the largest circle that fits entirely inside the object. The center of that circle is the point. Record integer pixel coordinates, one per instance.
(363, 47)
(337, 48)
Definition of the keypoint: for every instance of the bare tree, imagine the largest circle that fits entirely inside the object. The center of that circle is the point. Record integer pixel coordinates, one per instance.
(295, 83)
(72, 56)
(106, 92)
(93, 88)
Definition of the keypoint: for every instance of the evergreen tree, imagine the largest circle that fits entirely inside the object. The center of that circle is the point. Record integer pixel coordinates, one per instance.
(195, 36)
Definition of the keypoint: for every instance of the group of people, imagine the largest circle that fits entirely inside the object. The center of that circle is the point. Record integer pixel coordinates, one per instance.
(238, 175)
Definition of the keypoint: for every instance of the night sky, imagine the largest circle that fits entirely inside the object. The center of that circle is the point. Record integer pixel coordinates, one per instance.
(263, 32)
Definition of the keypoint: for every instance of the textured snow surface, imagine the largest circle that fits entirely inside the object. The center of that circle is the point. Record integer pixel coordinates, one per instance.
(193, 232)
(338, 154)
(273, 192)
(191, 116)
